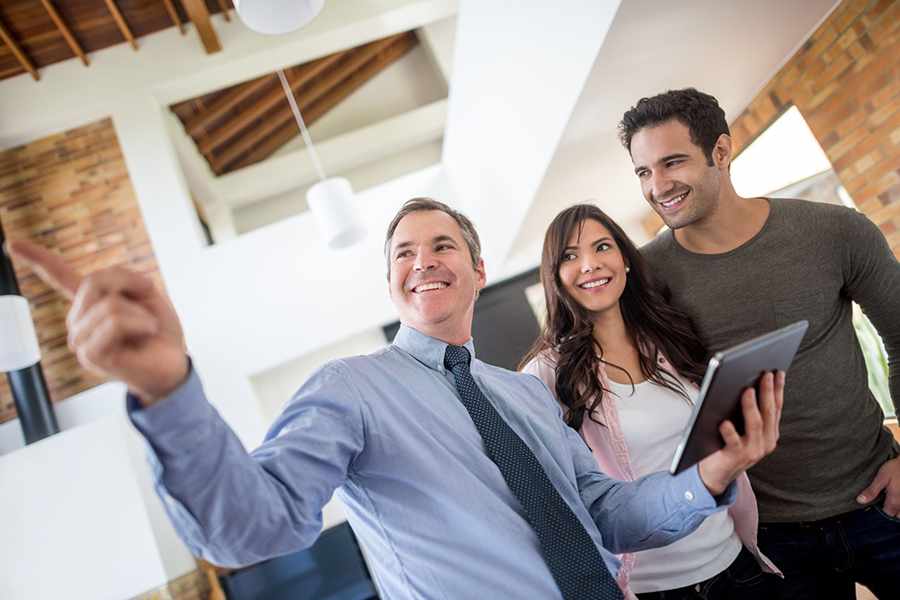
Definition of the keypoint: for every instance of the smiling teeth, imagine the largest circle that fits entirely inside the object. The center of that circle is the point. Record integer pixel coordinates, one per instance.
(669, 203)
(425, 287)
(593, 284)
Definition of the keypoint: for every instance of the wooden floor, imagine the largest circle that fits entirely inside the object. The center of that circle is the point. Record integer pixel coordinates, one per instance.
(864, 593)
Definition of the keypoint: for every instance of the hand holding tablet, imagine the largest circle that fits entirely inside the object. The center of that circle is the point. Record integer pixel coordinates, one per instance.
(734, 425)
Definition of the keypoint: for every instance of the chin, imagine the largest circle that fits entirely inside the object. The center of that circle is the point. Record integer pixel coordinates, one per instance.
(432, 317)
(679, 221)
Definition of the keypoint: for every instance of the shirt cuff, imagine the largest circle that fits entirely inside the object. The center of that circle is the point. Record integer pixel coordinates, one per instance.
(694, 492)
(166, 424)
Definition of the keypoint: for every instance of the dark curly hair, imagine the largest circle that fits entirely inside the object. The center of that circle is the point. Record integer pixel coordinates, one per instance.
(699, 112)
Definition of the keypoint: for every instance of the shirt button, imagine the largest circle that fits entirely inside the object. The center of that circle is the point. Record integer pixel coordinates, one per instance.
(689, 496)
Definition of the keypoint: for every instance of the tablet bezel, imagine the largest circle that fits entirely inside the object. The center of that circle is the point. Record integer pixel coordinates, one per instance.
(773, 351)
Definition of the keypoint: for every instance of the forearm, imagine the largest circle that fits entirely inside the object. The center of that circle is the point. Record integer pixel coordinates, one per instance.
(655, 510)
(225, 504)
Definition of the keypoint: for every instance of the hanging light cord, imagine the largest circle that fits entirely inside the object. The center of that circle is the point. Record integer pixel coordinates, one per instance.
(303, 131)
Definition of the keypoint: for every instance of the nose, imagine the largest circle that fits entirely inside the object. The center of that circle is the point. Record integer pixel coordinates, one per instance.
(588, 263)
(660, 185)
(425, 261)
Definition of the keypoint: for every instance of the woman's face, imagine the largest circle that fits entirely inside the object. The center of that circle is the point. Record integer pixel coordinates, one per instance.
(592, 270)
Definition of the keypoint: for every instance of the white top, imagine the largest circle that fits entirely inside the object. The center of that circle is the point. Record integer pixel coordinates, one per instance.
(652, 420)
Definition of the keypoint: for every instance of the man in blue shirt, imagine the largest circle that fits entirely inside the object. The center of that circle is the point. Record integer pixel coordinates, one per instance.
(460, 479)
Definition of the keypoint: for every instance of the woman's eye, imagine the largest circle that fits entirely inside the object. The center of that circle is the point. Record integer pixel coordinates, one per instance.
(603, 246)
(569, 256)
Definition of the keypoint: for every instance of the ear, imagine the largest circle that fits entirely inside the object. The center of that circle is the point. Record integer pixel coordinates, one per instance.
(390, 287)
(480, 278)
(722, 152)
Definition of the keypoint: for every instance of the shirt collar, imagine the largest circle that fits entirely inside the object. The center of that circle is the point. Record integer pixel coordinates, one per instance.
(427, 350)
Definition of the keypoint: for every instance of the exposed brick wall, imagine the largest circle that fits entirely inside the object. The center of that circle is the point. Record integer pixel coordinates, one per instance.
(70, 192)
(845, 81)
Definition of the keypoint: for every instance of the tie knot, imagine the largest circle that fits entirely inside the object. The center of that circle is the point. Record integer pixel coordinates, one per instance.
(455, 356)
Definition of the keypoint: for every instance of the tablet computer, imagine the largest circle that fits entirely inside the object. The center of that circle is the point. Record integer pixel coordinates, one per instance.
(728, 374)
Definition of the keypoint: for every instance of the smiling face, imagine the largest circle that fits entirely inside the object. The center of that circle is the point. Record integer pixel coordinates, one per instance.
(592, 271)
(432, 281)
(676, 178)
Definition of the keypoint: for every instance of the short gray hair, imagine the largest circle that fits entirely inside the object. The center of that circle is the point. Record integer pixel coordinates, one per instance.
(470, 236)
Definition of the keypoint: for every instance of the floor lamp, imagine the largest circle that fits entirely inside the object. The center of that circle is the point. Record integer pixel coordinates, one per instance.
(20, 356)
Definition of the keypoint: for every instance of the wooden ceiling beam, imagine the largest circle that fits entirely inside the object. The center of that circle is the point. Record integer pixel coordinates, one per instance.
(315, 106)
(300, 76)
(120, 21)
(18, 53)
(196, 124)
(276, 110)
(223, 5)
(199, 15)
(173, 14)
(66, 33)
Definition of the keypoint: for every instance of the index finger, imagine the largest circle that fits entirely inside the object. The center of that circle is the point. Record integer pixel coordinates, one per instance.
(48, 266)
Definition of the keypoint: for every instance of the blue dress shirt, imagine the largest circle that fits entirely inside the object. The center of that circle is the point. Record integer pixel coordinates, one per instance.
(389, 433)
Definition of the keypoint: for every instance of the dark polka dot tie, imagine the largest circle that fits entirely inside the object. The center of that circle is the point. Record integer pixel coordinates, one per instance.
(569, 551)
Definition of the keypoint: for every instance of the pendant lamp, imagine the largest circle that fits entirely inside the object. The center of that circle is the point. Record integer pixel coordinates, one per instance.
(274, 17)
(331, 199)
(19, 344)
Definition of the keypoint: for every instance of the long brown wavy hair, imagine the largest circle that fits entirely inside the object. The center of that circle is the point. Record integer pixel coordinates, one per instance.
(654, 325)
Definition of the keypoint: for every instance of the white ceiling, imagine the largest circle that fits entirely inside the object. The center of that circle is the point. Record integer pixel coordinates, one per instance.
(535, 96)
(728, 49)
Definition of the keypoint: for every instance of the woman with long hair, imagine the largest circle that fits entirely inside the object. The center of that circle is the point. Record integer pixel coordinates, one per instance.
(624, 365)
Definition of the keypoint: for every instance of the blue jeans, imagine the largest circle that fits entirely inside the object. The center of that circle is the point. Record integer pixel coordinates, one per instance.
(822, 560)
(742, 580)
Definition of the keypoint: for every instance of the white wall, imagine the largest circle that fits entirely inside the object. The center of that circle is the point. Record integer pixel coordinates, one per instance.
(82, 408)
(230, 298)
(75, 520)
(367, 147)
(274, 387)
(439, 39)
(580, 172)
(386, 168)
(517, 75)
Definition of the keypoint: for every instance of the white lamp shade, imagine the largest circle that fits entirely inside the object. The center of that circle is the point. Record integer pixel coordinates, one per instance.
(18, 340)
(275, 17)
(331, 202)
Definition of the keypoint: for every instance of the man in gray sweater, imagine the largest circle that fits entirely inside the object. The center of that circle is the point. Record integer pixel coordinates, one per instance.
(829, 496)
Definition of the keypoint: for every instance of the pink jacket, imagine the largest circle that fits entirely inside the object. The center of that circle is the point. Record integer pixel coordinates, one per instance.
(609, 449)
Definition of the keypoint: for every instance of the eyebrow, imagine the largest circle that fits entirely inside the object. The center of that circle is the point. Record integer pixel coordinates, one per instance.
(443, 238)
(434, 240)
(605, 238)
(664, 159)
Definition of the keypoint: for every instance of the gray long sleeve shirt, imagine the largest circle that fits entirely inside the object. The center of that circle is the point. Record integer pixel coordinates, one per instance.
(430, 508)
(809, 261)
